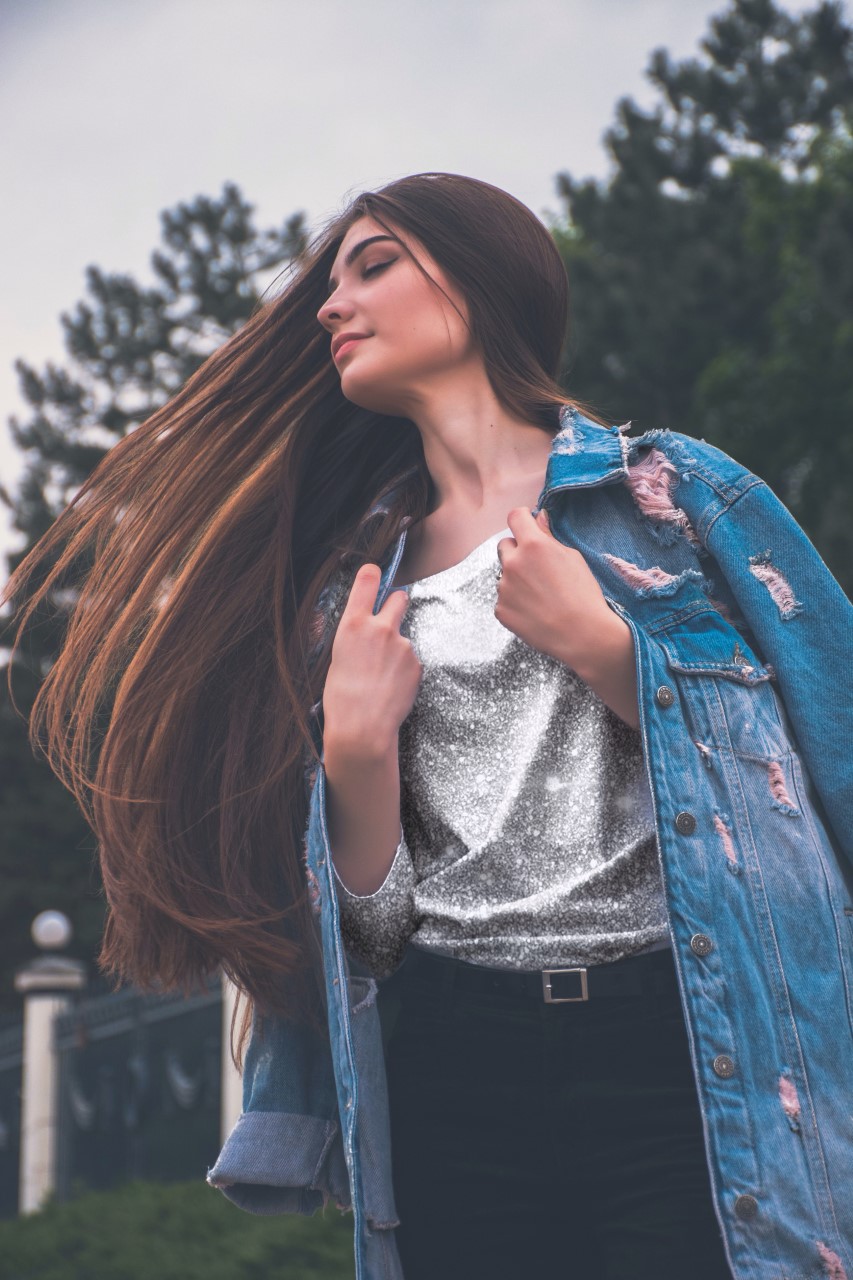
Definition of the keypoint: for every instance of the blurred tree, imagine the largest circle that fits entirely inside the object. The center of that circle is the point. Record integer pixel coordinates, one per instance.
(712, 274)
(130, 348)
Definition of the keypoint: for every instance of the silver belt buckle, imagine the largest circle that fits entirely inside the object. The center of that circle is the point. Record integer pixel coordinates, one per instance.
(552, 999)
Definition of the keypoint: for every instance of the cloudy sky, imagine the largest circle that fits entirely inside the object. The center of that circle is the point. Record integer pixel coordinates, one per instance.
(113, 110)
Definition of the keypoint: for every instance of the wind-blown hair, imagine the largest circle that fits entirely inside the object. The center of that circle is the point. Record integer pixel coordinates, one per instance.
(182, 707)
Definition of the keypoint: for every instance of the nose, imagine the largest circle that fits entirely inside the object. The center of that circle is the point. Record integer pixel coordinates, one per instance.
(334, 309)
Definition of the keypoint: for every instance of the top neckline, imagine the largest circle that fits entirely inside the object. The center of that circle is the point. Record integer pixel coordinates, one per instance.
(456, 573)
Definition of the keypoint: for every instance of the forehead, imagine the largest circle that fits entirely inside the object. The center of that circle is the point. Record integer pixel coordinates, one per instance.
(365, 228)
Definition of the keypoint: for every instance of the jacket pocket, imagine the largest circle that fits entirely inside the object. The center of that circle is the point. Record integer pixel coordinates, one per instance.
(726, 687)
(703, 643)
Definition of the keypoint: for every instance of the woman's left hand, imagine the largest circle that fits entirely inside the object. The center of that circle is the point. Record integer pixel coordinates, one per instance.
(550, 598)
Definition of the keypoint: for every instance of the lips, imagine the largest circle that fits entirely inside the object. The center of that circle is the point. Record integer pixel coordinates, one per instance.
(347, 346)
(342, 340)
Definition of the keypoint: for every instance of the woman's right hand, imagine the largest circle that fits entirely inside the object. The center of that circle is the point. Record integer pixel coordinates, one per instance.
(374, 673)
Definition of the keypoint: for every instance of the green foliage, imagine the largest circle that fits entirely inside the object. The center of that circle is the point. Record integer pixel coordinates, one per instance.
(782, 398)
(133, 346)
(177, 1231)
(712, 275)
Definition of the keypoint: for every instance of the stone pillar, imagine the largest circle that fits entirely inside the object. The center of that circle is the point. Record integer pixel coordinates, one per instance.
(46, 984)
(232, 1081)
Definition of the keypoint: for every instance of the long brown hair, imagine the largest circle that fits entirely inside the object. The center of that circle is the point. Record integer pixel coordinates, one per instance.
(199, 556)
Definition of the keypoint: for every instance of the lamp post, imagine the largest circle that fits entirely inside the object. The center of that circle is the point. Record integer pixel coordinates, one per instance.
(46, 984)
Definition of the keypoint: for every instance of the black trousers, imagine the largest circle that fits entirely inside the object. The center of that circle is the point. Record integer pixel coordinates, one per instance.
(545, 1140)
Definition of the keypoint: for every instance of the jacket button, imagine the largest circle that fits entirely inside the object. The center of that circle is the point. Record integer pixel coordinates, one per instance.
(664, 696)
(701, 944)
(685, 823)
(746, 1206)
(724, 1066)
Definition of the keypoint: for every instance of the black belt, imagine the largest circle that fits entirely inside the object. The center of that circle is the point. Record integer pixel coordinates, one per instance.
(651, 972)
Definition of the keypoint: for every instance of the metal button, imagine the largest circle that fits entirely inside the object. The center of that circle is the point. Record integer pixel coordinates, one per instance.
(664, 696)
(746, 1206)
(701, 944)
(724, 1066)
(685, 823)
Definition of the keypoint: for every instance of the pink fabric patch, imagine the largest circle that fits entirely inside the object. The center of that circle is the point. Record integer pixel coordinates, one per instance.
(777, 785)
(789, 1098)
(832, 1264)
(637, 577)
(723, 831)
(761, 568)
(650, 480)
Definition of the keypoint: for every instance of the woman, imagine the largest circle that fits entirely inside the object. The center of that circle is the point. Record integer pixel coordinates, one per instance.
(545, 802)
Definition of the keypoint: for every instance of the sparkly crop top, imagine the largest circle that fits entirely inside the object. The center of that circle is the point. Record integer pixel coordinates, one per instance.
(527, 832)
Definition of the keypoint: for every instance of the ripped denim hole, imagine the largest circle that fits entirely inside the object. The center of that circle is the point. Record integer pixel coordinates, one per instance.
(654, 581)
(832, 1264)
(790, 1100)
(762, 568)
(651, 481)
(723, 831)
(569, 439)
(778, 790)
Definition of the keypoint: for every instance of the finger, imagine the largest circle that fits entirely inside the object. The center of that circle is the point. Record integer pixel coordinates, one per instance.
(393, 607)
(362, 596)
(502, 546)
(543, 519)
(521, 522)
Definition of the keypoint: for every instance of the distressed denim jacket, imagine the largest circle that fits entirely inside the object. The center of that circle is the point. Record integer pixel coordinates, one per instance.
(743, 644)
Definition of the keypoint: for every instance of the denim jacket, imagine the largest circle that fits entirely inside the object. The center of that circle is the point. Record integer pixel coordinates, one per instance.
(743, 645)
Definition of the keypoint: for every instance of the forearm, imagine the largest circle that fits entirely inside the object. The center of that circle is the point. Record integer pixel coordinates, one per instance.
(362, 813)
(372, 865)
(610, 668)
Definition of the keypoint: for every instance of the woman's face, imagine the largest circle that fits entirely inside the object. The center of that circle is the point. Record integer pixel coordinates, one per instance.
(412, 334)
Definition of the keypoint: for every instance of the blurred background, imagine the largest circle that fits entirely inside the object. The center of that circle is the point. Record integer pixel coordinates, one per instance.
(164, 161)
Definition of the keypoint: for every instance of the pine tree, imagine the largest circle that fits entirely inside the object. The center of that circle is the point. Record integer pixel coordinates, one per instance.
(712, 273)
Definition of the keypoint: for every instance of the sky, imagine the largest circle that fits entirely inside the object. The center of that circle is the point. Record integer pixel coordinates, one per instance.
(113, 110)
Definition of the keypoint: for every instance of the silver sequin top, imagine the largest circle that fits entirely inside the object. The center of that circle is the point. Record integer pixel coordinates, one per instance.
(527, 837)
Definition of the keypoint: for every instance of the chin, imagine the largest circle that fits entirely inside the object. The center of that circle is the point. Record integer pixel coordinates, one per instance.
(370, 394)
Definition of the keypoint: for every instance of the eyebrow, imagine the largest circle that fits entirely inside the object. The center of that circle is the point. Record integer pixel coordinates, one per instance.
(356, 250)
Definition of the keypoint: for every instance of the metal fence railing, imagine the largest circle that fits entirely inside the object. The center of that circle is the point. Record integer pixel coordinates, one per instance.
(139, 1088)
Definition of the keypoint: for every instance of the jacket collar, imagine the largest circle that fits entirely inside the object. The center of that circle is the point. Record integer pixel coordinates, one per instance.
(584, 454)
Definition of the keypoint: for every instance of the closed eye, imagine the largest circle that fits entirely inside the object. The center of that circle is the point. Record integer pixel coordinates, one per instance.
(379, 266)
(368, 271)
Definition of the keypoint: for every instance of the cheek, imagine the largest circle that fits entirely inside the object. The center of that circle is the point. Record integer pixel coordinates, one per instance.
(433, 340)
(414, 344)
(423, 327)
